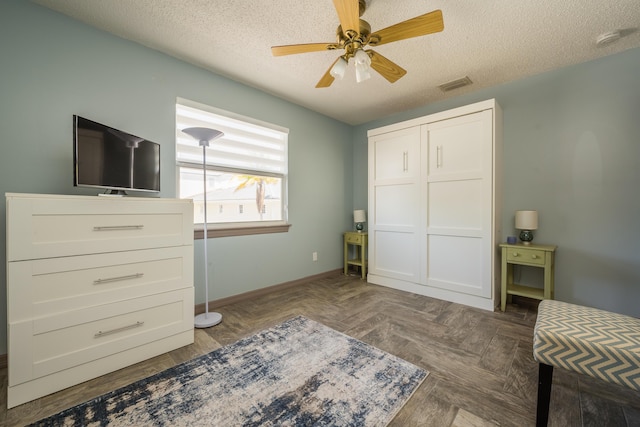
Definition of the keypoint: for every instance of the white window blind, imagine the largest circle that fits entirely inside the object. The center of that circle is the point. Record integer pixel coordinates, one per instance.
(246, 170)
(247, 144)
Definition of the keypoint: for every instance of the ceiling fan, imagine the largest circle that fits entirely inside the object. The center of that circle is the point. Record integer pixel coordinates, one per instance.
(354, 34)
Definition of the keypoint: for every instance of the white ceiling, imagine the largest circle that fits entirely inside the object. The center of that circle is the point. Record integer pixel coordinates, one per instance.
(491, 41)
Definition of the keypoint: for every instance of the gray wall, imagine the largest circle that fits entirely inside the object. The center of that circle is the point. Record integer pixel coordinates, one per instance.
(572, 152)
(53, 67)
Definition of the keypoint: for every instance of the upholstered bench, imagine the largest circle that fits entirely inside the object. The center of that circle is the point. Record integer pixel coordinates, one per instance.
(586, 340)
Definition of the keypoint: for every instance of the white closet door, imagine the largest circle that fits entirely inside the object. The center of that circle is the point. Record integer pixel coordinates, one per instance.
(459, 197)
(394, 204)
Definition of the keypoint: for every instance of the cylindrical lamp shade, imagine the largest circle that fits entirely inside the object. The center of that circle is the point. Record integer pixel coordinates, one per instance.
(359, 216)
(527, 220)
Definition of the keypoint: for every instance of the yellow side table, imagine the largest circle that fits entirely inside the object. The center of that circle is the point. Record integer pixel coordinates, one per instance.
(356, 239)
(542, 256)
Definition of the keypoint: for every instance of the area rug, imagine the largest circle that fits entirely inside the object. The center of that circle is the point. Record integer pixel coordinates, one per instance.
(298, 373)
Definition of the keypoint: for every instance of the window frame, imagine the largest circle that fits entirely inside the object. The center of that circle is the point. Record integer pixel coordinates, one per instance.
(226, 229)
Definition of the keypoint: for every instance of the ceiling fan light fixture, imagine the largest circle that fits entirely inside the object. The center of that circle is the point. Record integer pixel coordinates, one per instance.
(362, 73)
(354, 35)
(362, 58)
(339, 68)
(363, 66)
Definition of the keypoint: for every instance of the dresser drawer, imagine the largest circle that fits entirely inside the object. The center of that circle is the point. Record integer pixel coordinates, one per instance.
(525, 256)
(44, 287)
(51, 344)
(354, 238)
(57, 226)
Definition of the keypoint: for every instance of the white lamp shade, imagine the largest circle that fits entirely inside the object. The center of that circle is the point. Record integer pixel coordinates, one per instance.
(359, 216)
(527, 220)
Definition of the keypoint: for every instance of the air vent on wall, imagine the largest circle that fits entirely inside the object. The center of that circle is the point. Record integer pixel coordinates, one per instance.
(455, 84)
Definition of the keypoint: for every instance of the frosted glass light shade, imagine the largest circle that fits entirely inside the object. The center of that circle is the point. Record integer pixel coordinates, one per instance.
(361, 57)
(362, 73)
(338, 69)
(363, 62)
(527, 220)
(359, 216)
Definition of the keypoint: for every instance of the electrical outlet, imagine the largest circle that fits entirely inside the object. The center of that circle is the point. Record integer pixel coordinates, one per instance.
(314, 256)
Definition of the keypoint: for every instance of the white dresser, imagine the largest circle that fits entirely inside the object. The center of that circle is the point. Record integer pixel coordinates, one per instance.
(94, 284)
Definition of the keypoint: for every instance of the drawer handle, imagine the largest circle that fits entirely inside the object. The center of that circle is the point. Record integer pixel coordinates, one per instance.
(101, 334)
(534, 256)
(118, 227)
(405, 161)
(118, 279)
(516, 254)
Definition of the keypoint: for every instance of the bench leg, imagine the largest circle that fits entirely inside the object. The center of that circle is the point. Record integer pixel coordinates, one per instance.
(545, 376)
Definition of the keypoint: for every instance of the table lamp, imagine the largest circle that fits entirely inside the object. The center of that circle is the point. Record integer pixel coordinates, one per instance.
(359, 217)
(526, 221)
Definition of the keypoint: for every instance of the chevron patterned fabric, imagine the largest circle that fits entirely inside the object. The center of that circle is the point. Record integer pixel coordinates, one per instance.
(589, 341)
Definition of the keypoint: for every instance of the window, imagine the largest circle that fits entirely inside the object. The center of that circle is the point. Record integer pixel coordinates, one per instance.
(246, 171)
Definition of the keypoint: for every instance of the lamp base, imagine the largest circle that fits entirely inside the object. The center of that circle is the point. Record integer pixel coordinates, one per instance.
(526, 236)
(207, 320)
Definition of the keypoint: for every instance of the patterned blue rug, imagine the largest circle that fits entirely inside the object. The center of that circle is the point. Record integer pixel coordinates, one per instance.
(298, 373)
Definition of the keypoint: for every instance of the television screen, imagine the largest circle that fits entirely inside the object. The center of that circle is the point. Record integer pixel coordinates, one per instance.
(108, 158)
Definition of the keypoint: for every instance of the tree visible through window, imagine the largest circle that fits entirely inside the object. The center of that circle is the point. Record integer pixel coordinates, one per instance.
(246, 168)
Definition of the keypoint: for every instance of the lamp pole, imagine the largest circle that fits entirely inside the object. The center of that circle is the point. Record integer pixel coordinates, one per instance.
(204, 136)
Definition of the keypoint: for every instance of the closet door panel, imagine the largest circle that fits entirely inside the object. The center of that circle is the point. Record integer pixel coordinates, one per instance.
(397, 155)
(396, 205)
(457, 145)
(456, 263)
(459, 211)
(392, 259)
(455, 204)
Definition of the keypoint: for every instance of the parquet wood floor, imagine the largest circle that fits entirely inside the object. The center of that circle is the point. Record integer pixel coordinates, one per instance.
(482, 372)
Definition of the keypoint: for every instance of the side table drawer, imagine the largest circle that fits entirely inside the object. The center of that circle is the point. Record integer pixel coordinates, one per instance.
(353, 238)
(525, 256)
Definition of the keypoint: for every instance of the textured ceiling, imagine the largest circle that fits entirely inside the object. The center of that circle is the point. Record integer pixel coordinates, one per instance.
(491, 41)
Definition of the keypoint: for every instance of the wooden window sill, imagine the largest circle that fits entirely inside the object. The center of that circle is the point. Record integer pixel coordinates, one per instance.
(241, 231)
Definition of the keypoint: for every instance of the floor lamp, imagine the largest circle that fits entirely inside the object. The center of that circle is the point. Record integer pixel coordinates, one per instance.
(205, 136)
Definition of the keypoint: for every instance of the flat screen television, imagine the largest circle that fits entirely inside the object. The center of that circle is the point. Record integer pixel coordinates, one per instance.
(108, 158)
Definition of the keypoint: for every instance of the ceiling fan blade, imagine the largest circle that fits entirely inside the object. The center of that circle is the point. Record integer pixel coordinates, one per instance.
(327, 79)
(388, 69)
(349, 14)
(301, 48)
(422, 25)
